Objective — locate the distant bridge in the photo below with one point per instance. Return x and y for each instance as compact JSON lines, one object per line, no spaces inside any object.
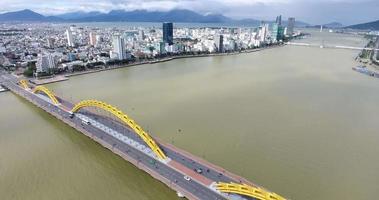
{"x":187,"y":174}
{"x":329,"y":46}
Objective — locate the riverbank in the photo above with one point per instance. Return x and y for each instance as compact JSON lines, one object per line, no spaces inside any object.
{"x":64,"y":77}
{"x":48,"y":80}
{"x":3,"y":89}
{"x":369,"y":60}
{"x":365,"y":70}
{"x":368,"y":55}
{"x":167,"y":59}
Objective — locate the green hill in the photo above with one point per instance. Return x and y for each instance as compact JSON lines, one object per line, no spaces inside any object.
{"x":366,"y":26}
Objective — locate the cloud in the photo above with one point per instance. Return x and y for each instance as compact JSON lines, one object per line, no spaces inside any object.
{"x":313,"y":11}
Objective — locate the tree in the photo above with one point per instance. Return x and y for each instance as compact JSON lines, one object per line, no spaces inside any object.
{"x":28,"y":72}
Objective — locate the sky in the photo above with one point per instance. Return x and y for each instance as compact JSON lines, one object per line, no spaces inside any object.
{"x":346,"y":12}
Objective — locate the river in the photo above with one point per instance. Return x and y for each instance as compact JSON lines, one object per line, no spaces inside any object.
{"x":296,"y":120}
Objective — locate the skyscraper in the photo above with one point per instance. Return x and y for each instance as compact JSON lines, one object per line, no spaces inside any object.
{"x":377,"y":46}
{"x":141,"y":35}
{"x":280,"y":33}
{"x":168,"y":33}
{"x":219,"y":42}
{"x":279,"y":20}
{"x":275,"y":32}
{"x":290,"y":26}
{"x":50,"y":42}
{"x":45,"y":63}
{"x":119,"y":47}
{"x":263,"y":32}
{"x":92,"y":39}
{"x":70,"y":39}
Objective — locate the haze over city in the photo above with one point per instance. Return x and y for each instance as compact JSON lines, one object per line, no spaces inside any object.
{"x":311,"y":11}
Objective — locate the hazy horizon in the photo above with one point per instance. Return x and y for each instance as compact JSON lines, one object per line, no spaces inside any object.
{"x":313,"y":11}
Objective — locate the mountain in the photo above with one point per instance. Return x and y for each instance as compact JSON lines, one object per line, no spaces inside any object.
{"x":366,"y":26}
{"x":77,"y":15}
{"x":178,"y":15}
{"x":26,"y":15}
{"x":155,"y":16}
{"x":333,"y":25}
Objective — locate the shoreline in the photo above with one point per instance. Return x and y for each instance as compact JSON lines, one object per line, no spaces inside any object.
{"x":3,"y":89}
{"x":370,"y":60}
{"x":58,"y":78}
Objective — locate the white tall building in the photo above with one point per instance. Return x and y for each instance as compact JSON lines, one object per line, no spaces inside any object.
{"x":99,"y":39}
{"x":45,"y":63}
{"x":70,"y":39}
{"x":263,"y":32}
{"x":119,"y":51}
{"x":291,"y":26}
{"x":2,"y":48}
{"x":92,"y":39}
{"x":73,"y":28}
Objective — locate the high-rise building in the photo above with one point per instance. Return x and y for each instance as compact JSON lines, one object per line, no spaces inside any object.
{"x":275,"y":32}
{"x":263,"y":32}
{"x":168,"y":33}
{"x":279,"y":20}
{"x":92,"y":39}
{"x":141,"y":35}
{"x":290,"y":26}
{"x":118,"y":44}
{"x":2,"y":48}
{"x":70,"y":39}
{"x":233,"y":44}
{"x":280,"y":33}
{"x":219,"y":42}
{"x":50,"y":42}
{"x":45,"y":63}
{"x":162,"y":48}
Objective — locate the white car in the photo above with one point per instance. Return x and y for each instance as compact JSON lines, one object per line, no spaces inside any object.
{"x":187,"y":178}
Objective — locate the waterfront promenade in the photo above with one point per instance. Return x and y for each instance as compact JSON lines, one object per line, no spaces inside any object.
{"x":65,"y":76}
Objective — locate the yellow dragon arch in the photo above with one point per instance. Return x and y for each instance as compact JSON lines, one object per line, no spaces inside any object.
{"x":247,"y":190}
{"x":24,"y":84}
{"x":124,"y":118}
{"x":46,"y":91}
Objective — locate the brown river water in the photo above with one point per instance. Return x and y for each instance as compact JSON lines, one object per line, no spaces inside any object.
{"x":296,"y":120}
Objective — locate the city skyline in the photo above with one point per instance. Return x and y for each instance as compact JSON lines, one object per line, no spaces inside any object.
{"x":314,"y":12}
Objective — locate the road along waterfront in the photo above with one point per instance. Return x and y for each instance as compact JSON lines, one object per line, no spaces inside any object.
{"x":296,"y":120}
